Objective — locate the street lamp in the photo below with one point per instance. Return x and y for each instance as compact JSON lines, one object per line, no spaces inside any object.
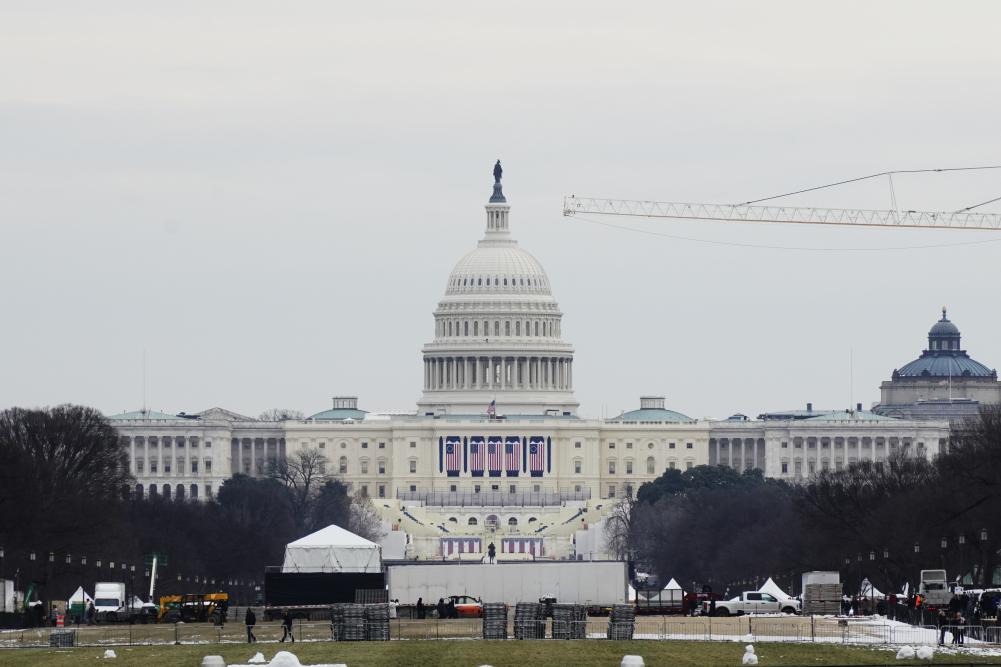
{"x":917,"y":548}
{"x":962,"y":540}
{"x":983,"y":534}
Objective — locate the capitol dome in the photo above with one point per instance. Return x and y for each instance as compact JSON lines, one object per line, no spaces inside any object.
{"x":497,"y":341}
{"x":498,"y":268}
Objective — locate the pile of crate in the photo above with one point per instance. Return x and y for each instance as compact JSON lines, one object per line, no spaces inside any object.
{"x":494,"y":620}
{"x":822,"y":599}
{"x":529,"y":621}
{"x":569,"y":621}
{"x":377,"y":622}
{"x":622,"y":621}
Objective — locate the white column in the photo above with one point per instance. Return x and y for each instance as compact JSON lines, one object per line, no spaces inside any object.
{"x":253,"y":457}
{"x":570,"y":373}
{"x":239,"y":449}
{"x":466,"y":366}
{"x":132,"y":448}
{"x":503,"y":373}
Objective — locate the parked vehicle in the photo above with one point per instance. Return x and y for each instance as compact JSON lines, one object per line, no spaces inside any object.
{"x":754,"y":602}
{"x":934,"y":588}
{"x":467,"y":606}
{"x":196,"y":608}
{"x":109,"y":601}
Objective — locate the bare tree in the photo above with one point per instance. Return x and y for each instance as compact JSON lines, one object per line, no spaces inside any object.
{"x":365,"y":521}
{"x":303,"y":473}
{"x":619,"y":530}
{"x":281,"y":415}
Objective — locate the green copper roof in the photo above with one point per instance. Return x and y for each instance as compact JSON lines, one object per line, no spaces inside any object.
{"x":339,"y":414}
{"x":652,"y":415}
{"x":144,"y":415}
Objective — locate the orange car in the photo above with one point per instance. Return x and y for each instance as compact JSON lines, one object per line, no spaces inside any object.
{"x":467,"y":606}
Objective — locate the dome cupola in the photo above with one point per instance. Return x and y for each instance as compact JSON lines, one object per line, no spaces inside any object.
{"x":944,"y":357}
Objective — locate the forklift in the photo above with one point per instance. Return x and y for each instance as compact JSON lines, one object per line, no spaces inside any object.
{"x":194,"y":608}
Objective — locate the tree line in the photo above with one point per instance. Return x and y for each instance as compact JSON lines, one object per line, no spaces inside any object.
{"x":884,"y":521}
{"x":67,"y":512}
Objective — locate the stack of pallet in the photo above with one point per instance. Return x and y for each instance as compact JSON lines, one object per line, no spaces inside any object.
{"x":822,"y":599}
{"x":494,"y":620}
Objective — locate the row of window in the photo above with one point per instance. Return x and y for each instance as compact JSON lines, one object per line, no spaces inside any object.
{"x":853,"y":443}
{"x":497,"y":281}
{"x":825,"y":464}
{"x":154,"y":466}
{"x":342,"y":466}
{"x":449,"y":327}
{"x":364,"y":444}
{"x":651,"y":466}
{"x":650,"y":445}
{"x":177,"y":492}
{"x":154,"y":441}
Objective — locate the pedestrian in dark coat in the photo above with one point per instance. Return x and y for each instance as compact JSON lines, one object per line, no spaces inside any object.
{"x":287,"y":626}
{"x":452,"y":611}
{"x":420,"y":607}
{"x":442,"y":611}
{"x":251,"y":621}
{"x":943,"y":621}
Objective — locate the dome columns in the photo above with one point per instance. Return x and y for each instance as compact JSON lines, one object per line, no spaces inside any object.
{"x":498,"y":373}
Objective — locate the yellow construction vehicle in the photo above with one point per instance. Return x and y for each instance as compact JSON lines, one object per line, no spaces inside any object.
{"x":194,"y":608}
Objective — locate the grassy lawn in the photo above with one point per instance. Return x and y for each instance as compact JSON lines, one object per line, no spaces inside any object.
{"x":464,"y":653}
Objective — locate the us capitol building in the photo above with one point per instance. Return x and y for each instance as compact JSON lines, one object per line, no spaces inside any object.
{"x":496,"y":451}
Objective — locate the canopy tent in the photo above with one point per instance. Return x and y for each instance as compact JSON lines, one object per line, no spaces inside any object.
{"x":672,"y":585}
{"x":80,"y":597}
{"x":870,"y":591}
{"x":631,"y":592}
{"x":332,"y":549}
{"x":773,"y":589}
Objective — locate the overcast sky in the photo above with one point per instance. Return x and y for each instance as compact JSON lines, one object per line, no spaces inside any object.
{"x":268,"y":197}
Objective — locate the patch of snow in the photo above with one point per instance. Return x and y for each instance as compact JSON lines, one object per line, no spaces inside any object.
{"x":749,"y":657}
{"x":905,"y":653}
{"x":110,"y":654}
{"x":925,"y":653}
{"x":258,"y":659}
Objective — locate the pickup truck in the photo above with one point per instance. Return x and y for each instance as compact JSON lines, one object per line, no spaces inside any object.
{"x":753,"y":603}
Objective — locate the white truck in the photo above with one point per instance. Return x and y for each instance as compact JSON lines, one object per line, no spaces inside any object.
{"x":109,"y":601}
{"x":934,"y":588}
{"x":754,"y":602}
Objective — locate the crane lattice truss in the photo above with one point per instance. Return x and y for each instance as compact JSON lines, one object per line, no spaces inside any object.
{"x":847,"y":217}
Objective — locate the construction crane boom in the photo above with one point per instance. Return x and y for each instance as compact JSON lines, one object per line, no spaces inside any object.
{"x":804,"y":215}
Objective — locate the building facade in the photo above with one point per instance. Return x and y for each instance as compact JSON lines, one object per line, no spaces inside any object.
{"x":496,"y":451}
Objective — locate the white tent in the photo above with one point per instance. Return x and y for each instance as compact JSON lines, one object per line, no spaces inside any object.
{"x":80,"y":597}
{"x":773,"y":589}
{"x":631,"y":592}
{"x":332,"y":549}
{"x":672,"y":585}
{"x":870,"y":591}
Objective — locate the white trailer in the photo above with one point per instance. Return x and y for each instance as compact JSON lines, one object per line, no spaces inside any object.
{"x":7,"y":604}
{"x":595,"y":583}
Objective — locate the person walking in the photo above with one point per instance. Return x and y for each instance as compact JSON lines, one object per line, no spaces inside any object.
{"x":943,"y":621}
{"x":420,"y":607}
{"x":287,"y":626}
{"x":452,"y":611}
{"x":251,"y":621}
{"x":441,"y":608}
{"x":90,"y":613}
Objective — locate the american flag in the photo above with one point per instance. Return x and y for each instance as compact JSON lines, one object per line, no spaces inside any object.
{"x":453,"y":456}
{"x":495,"y":456}
{"x":492,"y":408}
{"x":536,"y":455}
{"x":512,"y":455}
{"x":477,"y":455}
